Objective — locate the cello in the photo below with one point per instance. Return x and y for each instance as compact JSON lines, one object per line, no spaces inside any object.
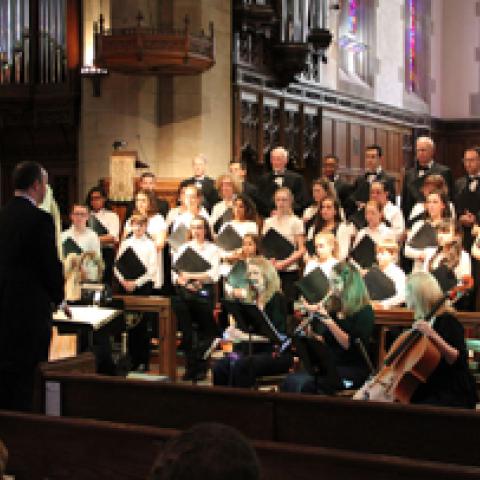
{"x":411,"y":359}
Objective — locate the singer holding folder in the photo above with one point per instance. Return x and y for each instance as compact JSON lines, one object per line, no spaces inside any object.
{"x":345,"y":364}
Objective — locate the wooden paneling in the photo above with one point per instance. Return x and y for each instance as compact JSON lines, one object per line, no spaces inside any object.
{"x":381,"y":139}
{"x":356,"y":150}
{"x":327,"y":136}
{"x":341,"y":143}
{"x":369,"y":138}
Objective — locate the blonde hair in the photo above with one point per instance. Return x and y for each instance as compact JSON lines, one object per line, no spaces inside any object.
{"x":138,"y":219}
{"x":270,"y":275}
{"x":331,"y":240}
{"x":422,"y":293}
{"x":233,"y":180}
{"x":389,"y":244}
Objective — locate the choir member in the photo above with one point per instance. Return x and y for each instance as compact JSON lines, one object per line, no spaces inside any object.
{"x":222,"y":211}
{"x":107,"y":226}
{"x":451,"y":383}
{"x":436,"y":206}
{"x":204,"y":184}
{"x":414,"y":177}
{"x":147,"y":184}
{"x":342,"y":188}
{"x":392,"y":215}
{"x":328,"y":219}
{"x":279,"y":177}
{"x":373,"y":172}
{"x":337,"y":336}
{"x":194,"y":301}
{"x":156,"y":229}
{"x":321,"y":188}
{"x":291,"y":228}
{"x":136,"y":272}
{"x":240,"y":369}
{"x":238,"y":168}
{"x":325,"y":254}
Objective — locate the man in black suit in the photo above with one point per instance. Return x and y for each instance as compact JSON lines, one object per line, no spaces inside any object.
{"x":342,"y":188}
{"x":31,"y":282}
{"x":147,"y":183}
{"x":204,"y":184}
{"x":238,"y":168}
{"x":373,"y":173}
{"x":414,"y":177}
{"x":281,"y":177}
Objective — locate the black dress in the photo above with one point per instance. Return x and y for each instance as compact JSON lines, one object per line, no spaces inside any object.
{"x":449,"y":385}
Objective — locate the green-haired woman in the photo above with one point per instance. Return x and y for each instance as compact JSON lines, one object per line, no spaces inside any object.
{"x":332,"y":345}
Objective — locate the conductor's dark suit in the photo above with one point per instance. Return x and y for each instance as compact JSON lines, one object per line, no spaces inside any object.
{"x":413,"y":182}
{"x":267,"y":186}
{"x":31,"y":284}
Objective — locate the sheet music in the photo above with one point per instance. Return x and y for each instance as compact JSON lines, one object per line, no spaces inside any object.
{"x":97,"y":317}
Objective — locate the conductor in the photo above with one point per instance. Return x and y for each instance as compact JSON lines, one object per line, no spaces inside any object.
{"x":31,"y":283}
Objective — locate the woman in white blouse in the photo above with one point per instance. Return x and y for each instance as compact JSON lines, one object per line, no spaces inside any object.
{"x":156,"y":228}
{"x":321,"y":188}
{"x":228,"y":190}
{"x":195,"y":300}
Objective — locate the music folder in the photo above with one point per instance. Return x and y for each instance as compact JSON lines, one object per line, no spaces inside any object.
{"x":227,"y":216}
{"x":129,"y":265}
{"x":192,"y":262}
{"x":364,"y":252}
{"x":97,"y":226}
{"x":379,"y":286}
{"x":237,"y":278}
{"x":426,"y":236}
{"x":314,"y":286}
{"x":275,"y":245}
{"x":251,"y":319}
{"x":310,"y":246}
{"x":229,"y":239}
{"x":178,"y":237}
{"x":358,"y":219}
{"x":69,"y":246}
{"x":445,"y":277}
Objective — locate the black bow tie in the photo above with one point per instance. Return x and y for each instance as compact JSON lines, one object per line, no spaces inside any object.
{"x":423,"y":169}
{"x":473,"y":179}
{"x":369,"y":175}
{"x":278,"y":175}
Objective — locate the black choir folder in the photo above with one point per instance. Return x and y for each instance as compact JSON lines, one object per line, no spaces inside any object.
{"x":314,"y":286}
{"x":275,"y":245}
{"x":227,"y":216}
{"x":445,"y":277}
{"x":178,"y":237}
{"x":97,"y":226}
{"x":379,"y":286}
{"x":364,"y":252}
{"x":229,"y":239}
{"x":358,"y":219}
{"x":129,"y":265}
{"x":425,"y":237}
{"x":71,"y":246}
{"x":310,"y":245}
{"x":190,"y":261}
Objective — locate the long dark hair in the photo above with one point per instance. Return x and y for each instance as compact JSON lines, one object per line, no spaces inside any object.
{"x":320,"y":223}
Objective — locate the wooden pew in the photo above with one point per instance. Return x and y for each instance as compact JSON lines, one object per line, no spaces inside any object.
{"x":420,"y":432}
{"x":60,"y":449}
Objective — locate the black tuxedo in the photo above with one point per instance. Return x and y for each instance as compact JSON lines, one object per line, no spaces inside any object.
{"x":361,"y":187}
{"x":413,"y":182}
{"x":467,"y":198}
{"x":267,"y":187}
{"x":31,"y":282}
{"x":343,"y":190}
{"x":209,"y":192}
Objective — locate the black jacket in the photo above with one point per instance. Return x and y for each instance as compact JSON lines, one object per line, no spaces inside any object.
{"x":31,"y":284}
{"x":209,"y":192}
{"x":361,"y":187}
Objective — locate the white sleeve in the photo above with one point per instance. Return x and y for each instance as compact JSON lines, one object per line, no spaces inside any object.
{"x":150,"y":262}
{"x":410,"y":252}
{"x":399,"y":279}
{"x":214,"y":260}
{"x":464,"y":266}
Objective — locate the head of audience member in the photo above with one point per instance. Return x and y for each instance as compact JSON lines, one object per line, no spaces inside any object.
{"x":424,"y":149}
{"x":422,"y":292}
{"x":199,"y":165}
{"x":244,"y":209}
{"x":79,"y":217}
{"x":321,"y":188}
{"x":373,"y":158}
{"x":347,"y":284}
{"x":199,"y":230}
{"x":434,"y":182}
{"x":207,"y":451}
{"x":378,"y":193}
{"x":145,"y":203}
{"x":328,"y":213}
{"x":147,"y":182}
{"x":263,"y":277}
{"x":387,"y":252}
{"x":436,"y":206}
{"x":373,"y":214}
{"x":325,"y":246}
{"x":96,"y":199}
{"x":471,"y":161}
{"x":329,"y":166}
{"x":227,"y":187}
{"x":250,"y":245}
{"x":138,"y":224}
{"x":238,"y":168}
{"x":192,"y":198}
{"x":30,"y":178}
{"x":278,"y":159}
{"x":283,"y":199}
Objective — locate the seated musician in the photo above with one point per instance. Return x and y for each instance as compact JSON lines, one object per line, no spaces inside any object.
{"x":138,"y":283}
{"x":355,"y":320}
{"x":451,"y":383}
{"x":239,"y":369}
{"x":194,"y":300}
